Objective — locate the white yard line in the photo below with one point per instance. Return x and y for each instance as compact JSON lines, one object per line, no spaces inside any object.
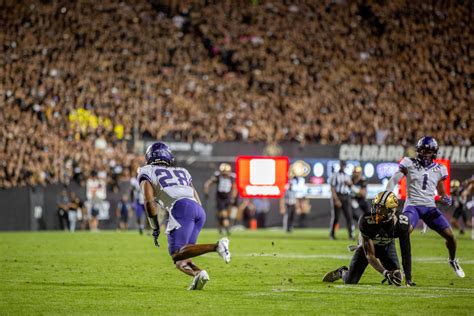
{"x":335,"y":256}
{"x":426,"y":292}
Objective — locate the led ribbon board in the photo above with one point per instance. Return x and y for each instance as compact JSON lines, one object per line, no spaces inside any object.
{"x":260,"y":176}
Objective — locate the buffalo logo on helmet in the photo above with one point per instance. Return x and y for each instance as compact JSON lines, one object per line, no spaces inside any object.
{"x":299,"y":168}
{"x":384,"y":207}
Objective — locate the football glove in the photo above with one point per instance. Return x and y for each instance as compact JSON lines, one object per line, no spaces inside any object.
{"x":155,"y":234}
{"x":447,"y":200}
{"x":393,"y":277}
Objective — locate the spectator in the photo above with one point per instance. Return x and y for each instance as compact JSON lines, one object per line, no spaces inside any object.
{"x":123,"y":211}
{"x":247,"y":209}
{"x":326,"y":72}
{"x":95,"y":206}
{"x":63,"y":204}
{"x":262,"y":208}
{"x":75,"y":207}
{"x":138,"y":204}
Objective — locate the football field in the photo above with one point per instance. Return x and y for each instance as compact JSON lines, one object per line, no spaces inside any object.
{"x":271,"y":273}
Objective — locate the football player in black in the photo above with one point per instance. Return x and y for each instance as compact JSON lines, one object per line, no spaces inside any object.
{"x":378,"y":229}
{"x":359,"y":194}
{"x":226,"y":194}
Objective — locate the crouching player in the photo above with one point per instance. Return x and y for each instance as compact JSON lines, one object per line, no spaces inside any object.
{"x":172,"y":188}
{"x":378,"y":229}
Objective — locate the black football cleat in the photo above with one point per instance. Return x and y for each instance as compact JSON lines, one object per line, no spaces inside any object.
{"x":335,"y":275}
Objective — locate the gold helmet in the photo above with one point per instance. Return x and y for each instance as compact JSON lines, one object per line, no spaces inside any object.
{"x":357,"y":169}
{"x":384,"y":207}
{"x":455,"y":184}
{"x":225,"y":168}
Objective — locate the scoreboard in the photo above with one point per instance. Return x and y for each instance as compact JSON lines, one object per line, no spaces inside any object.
{"x":261,"y":176}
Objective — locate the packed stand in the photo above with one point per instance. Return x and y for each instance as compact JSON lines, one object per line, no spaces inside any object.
{"x":81,"y":81}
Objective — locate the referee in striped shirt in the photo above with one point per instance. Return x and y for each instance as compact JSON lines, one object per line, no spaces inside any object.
{"x":341,"y":199}
{"x":288,"y":205}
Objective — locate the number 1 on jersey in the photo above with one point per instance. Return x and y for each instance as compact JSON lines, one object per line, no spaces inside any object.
{"x":425,"y":181}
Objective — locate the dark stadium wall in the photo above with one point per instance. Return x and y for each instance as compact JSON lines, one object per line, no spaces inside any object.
{"x":20,"y":205}
{"x":36,"y":208}
{"x":14,"y":204}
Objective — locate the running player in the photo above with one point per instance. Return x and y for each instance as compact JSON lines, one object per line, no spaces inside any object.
{"x":378,"y":229}
{"x":424,"y":177}
{"x":226,"y":194}
{"x":172,"y":188}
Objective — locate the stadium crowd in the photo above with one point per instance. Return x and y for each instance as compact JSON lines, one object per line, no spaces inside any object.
{"x":81,"y":80}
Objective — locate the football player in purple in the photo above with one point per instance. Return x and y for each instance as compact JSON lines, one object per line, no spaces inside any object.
{"x":171,"y":187}
{"x":425,"y":177}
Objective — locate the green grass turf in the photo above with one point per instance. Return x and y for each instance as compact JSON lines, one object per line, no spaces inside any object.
{"x":271,"y":273}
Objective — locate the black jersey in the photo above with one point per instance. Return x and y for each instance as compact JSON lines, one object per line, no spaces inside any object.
{"x":458,"y":200}
{"x":356,"y":187}
{"x":224,"y":184}
{"x":383,"y":234}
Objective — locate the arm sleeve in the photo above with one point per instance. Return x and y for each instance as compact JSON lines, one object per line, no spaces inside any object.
{"x":405,"y":248}
{"x":392,"y":183}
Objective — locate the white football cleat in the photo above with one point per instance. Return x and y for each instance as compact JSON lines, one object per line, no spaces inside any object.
{"x":424,"y":229}
{"x":457,"y":268}
{"x":223,"y":249}
{"x":199,"y":281}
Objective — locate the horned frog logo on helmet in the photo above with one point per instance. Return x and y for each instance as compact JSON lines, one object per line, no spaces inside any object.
{"x":384,"y":207}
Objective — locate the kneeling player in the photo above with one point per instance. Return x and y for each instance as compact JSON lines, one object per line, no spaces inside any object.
{"x":172,"y":188}
{"x":378,"y":229}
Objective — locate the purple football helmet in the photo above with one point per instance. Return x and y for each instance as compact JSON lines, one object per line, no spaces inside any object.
{"x":159,"y":153}
{"x":426,"y":150}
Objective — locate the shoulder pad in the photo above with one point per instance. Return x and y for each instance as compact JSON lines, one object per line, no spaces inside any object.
{"x":144,"y":173}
